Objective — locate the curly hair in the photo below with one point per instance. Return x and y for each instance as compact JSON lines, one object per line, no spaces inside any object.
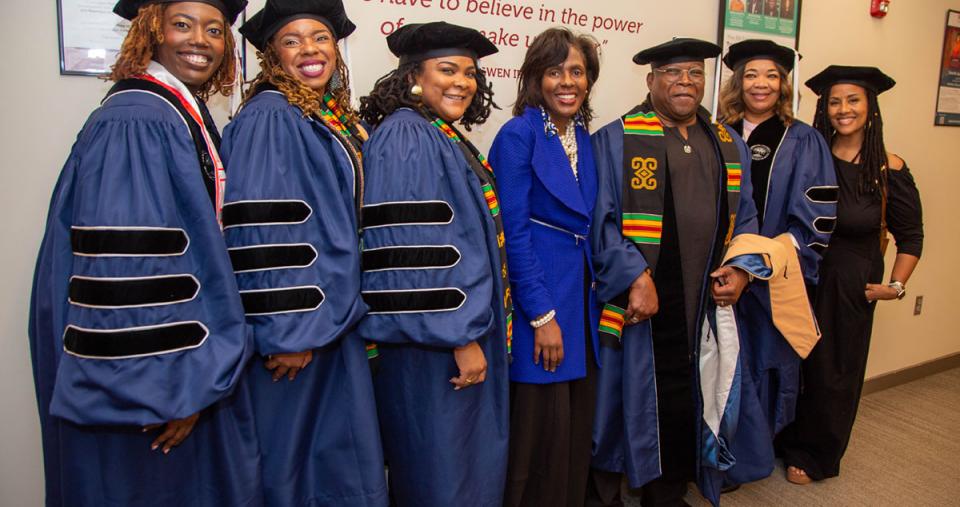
{"x":146,"y":35}
{"x":392,"y":92}
{"x":298,"y":93}
{"x":873,"y":152}
{"x":732,"y":108}
{"x":550,"y":49}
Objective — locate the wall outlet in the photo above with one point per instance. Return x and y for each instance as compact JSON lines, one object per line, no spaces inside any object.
{"x":918,"y":305}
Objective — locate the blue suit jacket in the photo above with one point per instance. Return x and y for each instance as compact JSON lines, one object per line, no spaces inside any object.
{"x":546,"y":220}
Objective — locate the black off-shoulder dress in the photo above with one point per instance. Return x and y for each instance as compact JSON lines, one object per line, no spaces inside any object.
{"x":832,"y":376}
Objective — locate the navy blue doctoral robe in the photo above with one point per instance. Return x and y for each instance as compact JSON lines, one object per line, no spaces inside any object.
{"x":135,"y":319}
{"x":444,"y":447}
{"x":801,"y":198}
{"x":291,"y":226}
{"x":626,"y":435}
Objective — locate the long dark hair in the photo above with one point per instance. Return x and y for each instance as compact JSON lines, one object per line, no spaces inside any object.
{"x":873,"y":153}
{"x":550,"y":49}
{"x":392,"y":92}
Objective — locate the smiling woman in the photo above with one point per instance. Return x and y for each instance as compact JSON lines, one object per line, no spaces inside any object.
{"x":136,"y":326}
{"x":193,"y":43}
{"x":296,"y":183}
{"x":447,"y":85}
{"x":307,"y":51}
{"x":544,"y":163}
{"x":190,"y":39}
{"x":795,"y":191}
{"x":396,"y":89}
{"x":876,"y":192}
{"x":445,"y":327}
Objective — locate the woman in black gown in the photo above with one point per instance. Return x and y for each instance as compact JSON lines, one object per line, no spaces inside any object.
{"x":877,"y":192}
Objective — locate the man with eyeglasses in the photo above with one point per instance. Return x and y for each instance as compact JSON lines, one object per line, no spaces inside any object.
{"x":674,"y":189}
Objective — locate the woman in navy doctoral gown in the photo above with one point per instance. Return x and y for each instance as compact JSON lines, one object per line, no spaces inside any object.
{"x":435,"y":273}
{"x":795,"y":190}
{"x":291,"y":223}
{"x":136,"y":326}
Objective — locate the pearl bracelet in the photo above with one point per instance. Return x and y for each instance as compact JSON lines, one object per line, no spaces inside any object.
{"x":543,"y":319}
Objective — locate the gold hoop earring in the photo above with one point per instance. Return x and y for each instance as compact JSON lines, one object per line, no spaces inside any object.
{"x":416,"y":90}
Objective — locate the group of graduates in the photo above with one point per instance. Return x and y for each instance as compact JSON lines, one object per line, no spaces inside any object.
{"x":275,"y":316}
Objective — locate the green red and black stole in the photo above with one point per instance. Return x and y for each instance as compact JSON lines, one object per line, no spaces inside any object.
{"x":644,"y":167}
{"x":352,"y":136}
{"x":488,"y":186}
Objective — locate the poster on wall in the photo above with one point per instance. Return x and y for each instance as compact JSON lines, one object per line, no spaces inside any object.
{"x":776,"y":20}
{"x":948,"y":95}
{"x":620,"y":28}
{"x":90,"y":36}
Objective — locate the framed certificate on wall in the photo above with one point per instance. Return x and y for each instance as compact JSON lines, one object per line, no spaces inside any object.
{"x":90,"y":36}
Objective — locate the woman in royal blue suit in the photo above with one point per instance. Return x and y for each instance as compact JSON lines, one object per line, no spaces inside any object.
{"x":547,"y":181}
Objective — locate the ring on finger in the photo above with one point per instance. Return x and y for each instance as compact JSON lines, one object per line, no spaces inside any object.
{"x":634,"y":320}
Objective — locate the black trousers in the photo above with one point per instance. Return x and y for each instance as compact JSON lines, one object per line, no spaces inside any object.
{"x":550,"y":441}
{"x":551,"y":428}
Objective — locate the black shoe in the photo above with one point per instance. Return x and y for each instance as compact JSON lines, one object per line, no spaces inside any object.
{"x":729,"y":489}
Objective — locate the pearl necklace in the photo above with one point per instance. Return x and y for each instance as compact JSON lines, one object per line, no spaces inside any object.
{"x":569,"y":142}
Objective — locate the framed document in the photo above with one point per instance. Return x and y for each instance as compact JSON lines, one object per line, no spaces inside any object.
{"x":90,"y":36}
{"x":948,"y":93}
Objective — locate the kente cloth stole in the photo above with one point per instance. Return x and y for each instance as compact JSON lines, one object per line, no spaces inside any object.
{"x":644,"y":166}
{"x":352,"y":136}
{"x":488,"y":186}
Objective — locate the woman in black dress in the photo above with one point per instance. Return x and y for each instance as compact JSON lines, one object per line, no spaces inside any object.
{"x":877,"y":193}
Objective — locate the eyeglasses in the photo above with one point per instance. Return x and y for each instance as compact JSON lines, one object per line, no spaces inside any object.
{"x":675,"y":73}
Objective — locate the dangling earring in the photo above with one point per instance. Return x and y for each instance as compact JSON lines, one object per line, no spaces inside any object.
{"x":335,"y":81}
{"x":416,"y":90}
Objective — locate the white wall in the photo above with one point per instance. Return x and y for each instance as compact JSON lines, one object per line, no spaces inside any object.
{"x":907,"y":45}
{"x":43,"y":111}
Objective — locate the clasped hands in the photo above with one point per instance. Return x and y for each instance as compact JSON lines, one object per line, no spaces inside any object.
{"x":727,"y":284}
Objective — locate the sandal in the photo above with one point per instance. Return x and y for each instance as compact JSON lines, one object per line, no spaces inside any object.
{"x":798,"y":476}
